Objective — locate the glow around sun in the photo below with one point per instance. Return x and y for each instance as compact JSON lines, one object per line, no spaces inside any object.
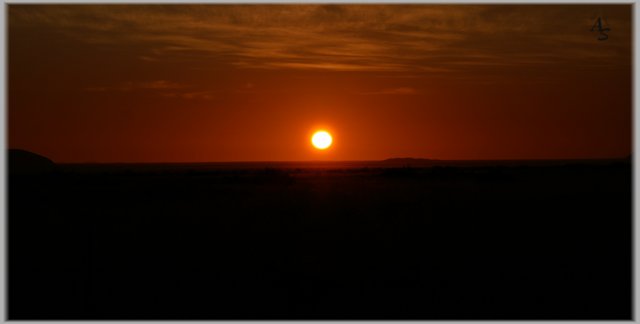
{"x":321,"y":140}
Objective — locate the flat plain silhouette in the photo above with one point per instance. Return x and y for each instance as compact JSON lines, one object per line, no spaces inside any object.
{"x":372,"y":240}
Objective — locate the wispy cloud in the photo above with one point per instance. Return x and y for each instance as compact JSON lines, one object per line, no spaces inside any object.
{"x":441,"y":39}
{"x":393,"y":91}
{"x":206,"y":95}
{"x":159,"y":87}
{"x":142,"y":85}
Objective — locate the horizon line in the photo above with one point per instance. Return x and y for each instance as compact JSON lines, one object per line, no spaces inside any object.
{"x":351,"y":161}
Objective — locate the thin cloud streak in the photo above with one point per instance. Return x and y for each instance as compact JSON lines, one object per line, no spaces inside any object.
{"x":158,"y":87}
{"x":393,"y":91}
{"x":143,"y":85}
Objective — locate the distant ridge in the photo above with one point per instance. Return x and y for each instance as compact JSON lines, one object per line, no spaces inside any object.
{"x":28,"y":163}
{"x":408,"y":160}
{"x":420,"y":162}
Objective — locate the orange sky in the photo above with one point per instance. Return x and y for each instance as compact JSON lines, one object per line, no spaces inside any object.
{"x":198,"y":83}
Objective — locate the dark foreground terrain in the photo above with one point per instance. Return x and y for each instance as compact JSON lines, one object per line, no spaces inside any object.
{"x":463,"y":242}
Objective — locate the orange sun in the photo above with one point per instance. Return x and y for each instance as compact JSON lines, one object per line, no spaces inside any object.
{"x":321,"y":140}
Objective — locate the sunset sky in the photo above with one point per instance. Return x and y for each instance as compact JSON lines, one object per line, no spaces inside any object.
{"x":199,"y":83}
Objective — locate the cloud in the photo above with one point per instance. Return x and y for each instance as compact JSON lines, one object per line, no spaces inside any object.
{"x":141,"y":85}
{"x":205,"y":95}
{"x":393,"y":91}
{"x":437,"y":39}
{"x":159,"y":87}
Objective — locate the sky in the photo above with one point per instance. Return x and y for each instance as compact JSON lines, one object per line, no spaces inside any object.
{"x":213,"y":82}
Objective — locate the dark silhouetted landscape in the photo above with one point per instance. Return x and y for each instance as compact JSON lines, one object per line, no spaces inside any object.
{"x":395,"y":239}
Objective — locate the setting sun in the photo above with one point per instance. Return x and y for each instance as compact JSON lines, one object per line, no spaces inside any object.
{"x":321,"y":140}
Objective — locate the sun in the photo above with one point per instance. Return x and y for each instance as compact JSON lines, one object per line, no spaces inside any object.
{"x":321,"y":140}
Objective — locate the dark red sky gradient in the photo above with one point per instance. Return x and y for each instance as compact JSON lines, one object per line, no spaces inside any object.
{"x":198,"y":83}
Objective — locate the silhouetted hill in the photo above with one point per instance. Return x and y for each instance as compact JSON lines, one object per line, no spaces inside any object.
{"x":25,"y":162}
